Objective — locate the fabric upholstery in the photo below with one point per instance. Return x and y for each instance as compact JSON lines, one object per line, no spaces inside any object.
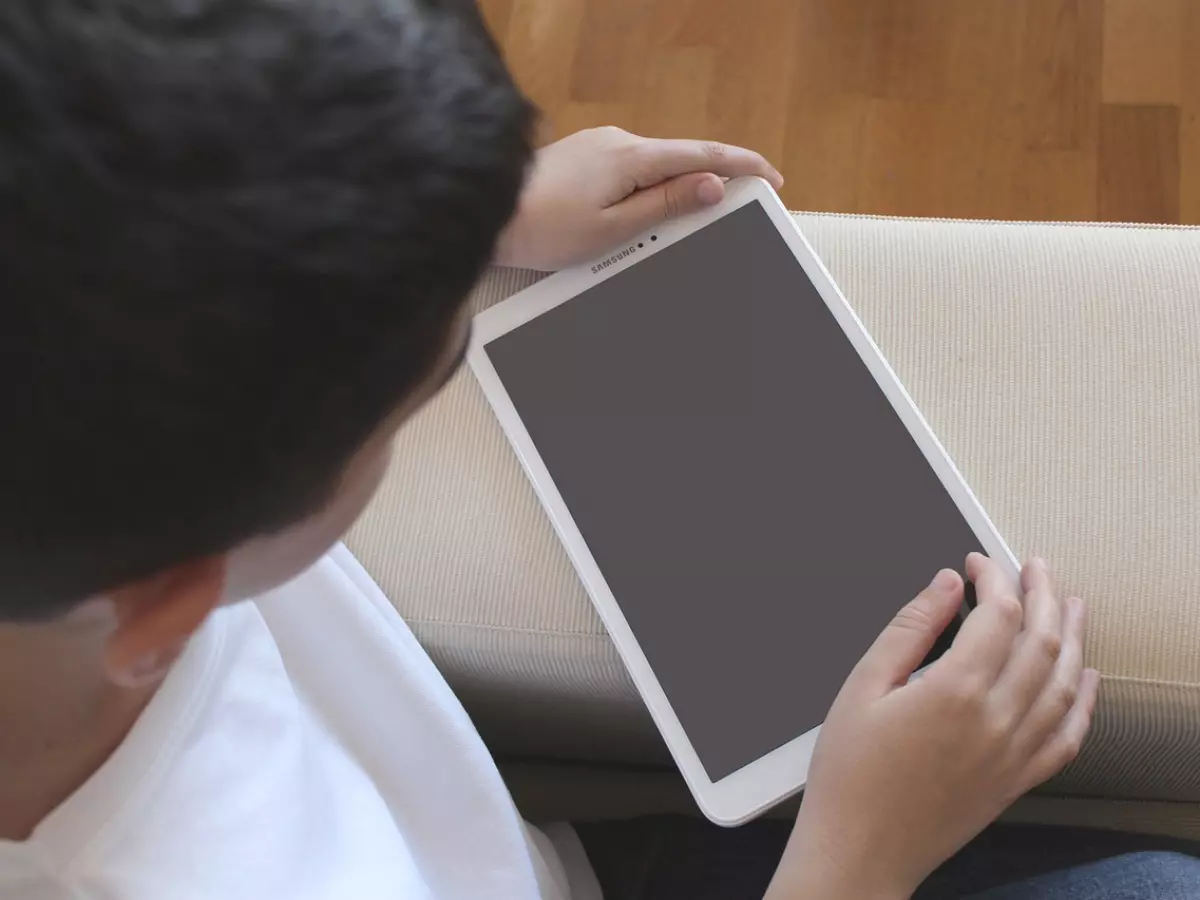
{"x":1060,"y":366}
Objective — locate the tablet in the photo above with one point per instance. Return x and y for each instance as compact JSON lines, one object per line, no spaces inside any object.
{"x":745,"y":488}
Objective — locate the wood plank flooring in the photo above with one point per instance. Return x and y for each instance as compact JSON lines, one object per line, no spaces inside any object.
{"x":1012,"y":109}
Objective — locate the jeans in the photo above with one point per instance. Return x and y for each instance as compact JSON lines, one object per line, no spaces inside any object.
{"x":676,"y":858}
{"x":1149,"y":875}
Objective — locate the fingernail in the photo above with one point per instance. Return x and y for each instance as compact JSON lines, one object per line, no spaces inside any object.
{"x":146,"y":669}
{"x":710,"y":191}
{"x":1038,"y":563}
{"x":945,"y":580}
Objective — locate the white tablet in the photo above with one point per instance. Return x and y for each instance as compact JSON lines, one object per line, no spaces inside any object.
{"x":745,"y":488}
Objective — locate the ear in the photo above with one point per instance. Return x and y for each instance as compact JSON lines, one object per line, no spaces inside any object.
{"x":157,"y":616}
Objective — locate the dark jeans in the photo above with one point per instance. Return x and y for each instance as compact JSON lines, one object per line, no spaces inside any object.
{"x":678,"y":858}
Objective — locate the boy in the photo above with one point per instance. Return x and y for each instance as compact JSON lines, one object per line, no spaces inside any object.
{"x":237,"y":237}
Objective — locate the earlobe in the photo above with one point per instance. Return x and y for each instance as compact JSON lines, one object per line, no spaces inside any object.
{"x":157,"y":616}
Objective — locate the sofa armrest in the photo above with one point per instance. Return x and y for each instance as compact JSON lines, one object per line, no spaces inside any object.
{"x":1059,"y":364}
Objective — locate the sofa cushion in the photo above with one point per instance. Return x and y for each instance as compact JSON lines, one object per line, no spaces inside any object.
{"x":1059,"y":364}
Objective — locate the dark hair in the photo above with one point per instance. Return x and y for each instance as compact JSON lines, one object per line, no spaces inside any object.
{"x":233,"y":237}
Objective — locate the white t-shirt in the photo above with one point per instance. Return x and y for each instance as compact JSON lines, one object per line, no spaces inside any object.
{"x":304,"y":746}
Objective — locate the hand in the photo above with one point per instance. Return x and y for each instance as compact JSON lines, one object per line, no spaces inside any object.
{"x":592,"y":190}
{"x":906,"y":773}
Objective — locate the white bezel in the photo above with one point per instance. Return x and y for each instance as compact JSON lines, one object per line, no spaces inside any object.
{"x":781,"y":773}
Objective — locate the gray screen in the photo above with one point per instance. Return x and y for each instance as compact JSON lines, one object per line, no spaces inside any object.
{"x":752,"y":499}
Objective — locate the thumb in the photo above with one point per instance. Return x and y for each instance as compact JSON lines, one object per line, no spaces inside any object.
{"x":910,"y":636}
{"x":671,"y":199}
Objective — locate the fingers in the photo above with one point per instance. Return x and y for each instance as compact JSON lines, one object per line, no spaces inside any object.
{"x":1060,"y":691}
{"x":1040,"y":644}
{"x":653,"y":161}
{"x":658,"y":180}
{"x":985,"y":641}
{"x":1065,"y":743}
{"x":909,"y":637}
{"x":655,"y":205}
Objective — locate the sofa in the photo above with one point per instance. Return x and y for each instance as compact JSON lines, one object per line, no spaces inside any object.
{"x":1060,"y":366}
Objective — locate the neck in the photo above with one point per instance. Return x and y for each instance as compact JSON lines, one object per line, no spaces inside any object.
{"x":60,"y":717}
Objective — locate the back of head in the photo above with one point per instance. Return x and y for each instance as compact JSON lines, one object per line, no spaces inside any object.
{"x":233,"y":234}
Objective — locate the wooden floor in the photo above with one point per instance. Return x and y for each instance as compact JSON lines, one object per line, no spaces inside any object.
{"x":1013,"y":109}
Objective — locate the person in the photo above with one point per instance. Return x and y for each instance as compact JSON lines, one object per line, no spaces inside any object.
{"x":237,"y":239}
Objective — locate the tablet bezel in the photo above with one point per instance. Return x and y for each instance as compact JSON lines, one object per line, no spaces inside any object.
{"x":782,"y":772}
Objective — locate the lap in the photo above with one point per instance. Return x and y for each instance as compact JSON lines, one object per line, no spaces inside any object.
{"x":672,"y":858}
{"x":1148,"y":875}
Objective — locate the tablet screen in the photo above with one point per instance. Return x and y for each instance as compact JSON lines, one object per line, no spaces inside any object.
{"x":755,"y":504}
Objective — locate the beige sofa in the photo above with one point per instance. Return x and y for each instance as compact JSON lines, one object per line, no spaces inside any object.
{"x":1060,"y":365}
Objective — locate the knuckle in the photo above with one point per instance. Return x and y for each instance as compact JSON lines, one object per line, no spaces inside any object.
{"x":640,"y":156}
{"x":611,"y":132}
{"x":998,"y":729}
{"x":671,"y":206}
{"x":915,"y":616}
{"x":1063,"y":696}
{"x":964,"y":693}
{"x":1009,"y":609}
{"x":715,"y":151}
{"x":1049,"y":645}
{"x":631,"y":151}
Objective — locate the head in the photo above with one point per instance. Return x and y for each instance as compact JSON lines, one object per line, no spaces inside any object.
{"x":235,"y":241}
